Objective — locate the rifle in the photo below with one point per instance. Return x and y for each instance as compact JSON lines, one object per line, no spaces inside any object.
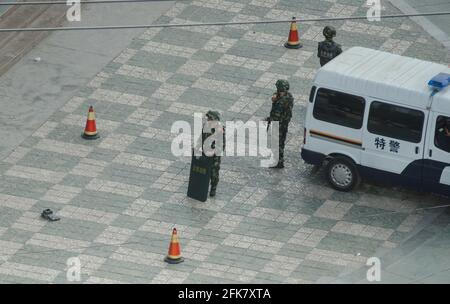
{"x":275,"y":96}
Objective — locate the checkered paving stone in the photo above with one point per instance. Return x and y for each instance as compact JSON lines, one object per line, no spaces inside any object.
{"x":120,"y":196}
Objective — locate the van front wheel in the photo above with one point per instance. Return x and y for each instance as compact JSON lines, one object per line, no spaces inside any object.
{"x":342,"y":174}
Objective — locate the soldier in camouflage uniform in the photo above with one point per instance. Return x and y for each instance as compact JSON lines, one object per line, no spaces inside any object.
{"x":214,"y":116}
{"x":282,"y":104}
{"x":328,"y":49}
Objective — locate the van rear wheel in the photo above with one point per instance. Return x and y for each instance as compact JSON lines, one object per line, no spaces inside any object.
{"x":342,"y":174}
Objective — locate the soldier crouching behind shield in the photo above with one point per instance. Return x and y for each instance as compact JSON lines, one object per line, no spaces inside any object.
{"x":213,"y":135}
{"x":328,"y":49}
{"x":282,"y":104}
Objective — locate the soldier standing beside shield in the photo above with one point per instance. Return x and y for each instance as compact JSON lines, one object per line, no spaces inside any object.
{"x":209,"y":141}
{"x":328,"y":49}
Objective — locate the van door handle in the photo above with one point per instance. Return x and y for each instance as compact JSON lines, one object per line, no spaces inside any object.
{"x":417,"y":150}
{"x":430,"y":153}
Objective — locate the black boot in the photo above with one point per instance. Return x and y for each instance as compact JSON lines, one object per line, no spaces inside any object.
{"x":280,"y":165}
{"x":212,"y":193}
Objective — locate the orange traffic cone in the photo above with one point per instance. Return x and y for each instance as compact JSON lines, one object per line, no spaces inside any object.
{"x":293,"y":40}
{"x":174,"y":255}
{"x":90,"y":132}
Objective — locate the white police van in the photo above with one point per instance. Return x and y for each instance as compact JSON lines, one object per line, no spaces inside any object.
{"x":380,"y":116}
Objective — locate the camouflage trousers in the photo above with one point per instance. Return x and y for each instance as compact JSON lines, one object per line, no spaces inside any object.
{"x":282,"y":140}
{"x":215,"y":172}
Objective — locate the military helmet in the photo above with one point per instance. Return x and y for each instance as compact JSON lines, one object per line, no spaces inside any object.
{"x":282,"y":85}
{"x":329,"y":32}
{"x":213,"y":115}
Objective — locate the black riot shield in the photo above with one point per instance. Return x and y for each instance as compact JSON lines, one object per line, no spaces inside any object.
{"x":199,"y":177}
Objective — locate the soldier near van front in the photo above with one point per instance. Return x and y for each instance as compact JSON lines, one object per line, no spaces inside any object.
{"x":328,"y":49}
{"x":282,"y":104}
{"x":209,"y":141}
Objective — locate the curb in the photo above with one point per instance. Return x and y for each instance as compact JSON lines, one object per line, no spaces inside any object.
{"x":15,"y":45}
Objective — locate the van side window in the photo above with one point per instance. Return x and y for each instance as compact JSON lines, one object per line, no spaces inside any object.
{"x":442,"y":133}
{"x":395,"y":121}
{"x":339,"y":108}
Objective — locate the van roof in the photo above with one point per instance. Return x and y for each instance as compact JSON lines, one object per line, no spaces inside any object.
{"x":385,"y":76}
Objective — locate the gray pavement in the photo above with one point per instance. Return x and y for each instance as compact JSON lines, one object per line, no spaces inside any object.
{"x":420,"y":258}
{"x":436,"y":26}
{"x":434,"y":6}
{"x":119,"y":196}
{"x":31,"y":91}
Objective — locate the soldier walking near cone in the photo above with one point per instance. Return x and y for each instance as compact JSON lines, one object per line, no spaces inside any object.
{"x":282,"y":104}
{"x":328,"y":49}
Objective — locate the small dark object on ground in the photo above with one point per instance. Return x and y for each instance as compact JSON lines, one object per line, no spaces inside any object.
{"x":48,"y":215}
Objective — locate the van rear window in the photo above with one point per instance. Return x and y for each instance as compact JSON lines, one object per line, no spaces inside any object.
{"x":339,"y":108}
{"x":396,"y":122}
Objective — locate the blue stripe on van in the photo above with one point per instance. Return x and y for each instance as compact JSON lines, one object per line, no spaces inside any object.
{"x":411,"y":177}
{"x":311,"y":157}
